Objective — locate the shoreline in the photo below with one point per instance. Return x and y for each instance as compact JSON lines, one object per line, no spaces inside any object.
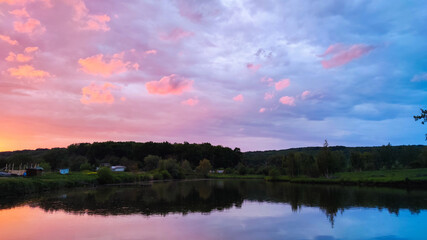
{"x":18,"y":186}
{"x":368,"y":182}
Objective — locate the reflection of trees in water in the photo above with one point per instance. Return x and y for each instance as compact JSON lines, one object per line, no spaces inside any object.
{"x":206,"y":196}
{"x":161,"y":198}
{"x":334,"y":198}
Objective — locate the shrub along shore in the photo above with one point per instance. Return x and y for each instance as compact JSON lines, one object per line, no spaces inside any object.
{"x":13,"y":186}
{"x":411,"y":178}
{"x":392,"y":178}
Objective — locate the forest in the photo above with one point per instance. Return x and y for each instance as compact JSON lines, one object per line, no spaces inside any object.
{"x":174,"y":157}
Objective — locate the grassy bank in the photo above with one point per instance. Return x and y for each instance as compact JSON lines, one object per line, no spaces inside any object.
{"x":234,"y":176}
{"x":397,"y":178}
{"x":47,"y":182}
{"x":401,"y":177}
{"x":55,"y":181}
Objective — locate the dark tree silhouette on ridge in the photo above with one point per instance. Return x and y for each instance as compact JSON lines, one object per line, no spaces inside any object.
{"x":422,"y":117}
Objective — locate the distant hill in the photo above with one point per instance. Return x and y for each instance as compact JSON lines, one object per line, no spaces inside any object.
{"x":403,"y":153}
{"x":132,"y":154}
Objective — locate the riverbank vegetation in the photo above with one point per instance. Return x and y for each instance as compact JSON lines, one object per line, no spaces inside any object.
{"x":399,"y":165}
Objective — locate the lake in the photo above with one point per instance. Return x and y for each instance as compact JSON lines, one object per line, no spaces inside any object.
{"x":218,"y":209}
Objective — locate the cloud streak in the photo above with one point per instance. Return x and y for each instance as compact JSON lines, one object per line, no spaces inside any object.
{"x":98,"y":65}
{"x":98,"y":94}
{"x":341,"y":55}
{"x":238,"y":98}
{"x":8,"y":40}
{"x":282,"y":84}
{"x":172,"y":84}
{"x":287,"y":100}
{"x":28,"y":72}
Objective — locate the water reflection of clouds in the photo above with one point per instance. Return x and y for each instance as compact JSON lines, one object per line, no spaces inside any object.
{"x":253,"y":220}
{"x":251,"y":209}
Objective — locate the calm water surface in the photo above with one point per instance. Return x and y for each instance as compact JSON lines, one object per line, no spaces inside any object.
{"x":218,"y":209}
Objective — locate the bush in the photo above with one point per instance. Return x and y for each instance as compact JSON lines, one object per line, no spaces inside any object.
{"x":166,"y":174}
{"x":186,"y":167}
{"x":204,"y":167}
{"x":151,"y":162}
{"x":76,"y":162}
{"x":263,"y":171}
{"x":105,"y":175}
{"x":85,"y":166}
{"x":241,"y":169}
{"x":274,"y":173}
{"x":250,"y":171}
{"x":46,"y":166}
{"x":144,"y":177}
{"x":157,"y":176}
{"x":172,"y":167}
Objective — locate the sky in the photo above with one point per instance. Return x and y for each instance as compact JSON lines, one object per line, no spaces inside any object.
{"x":251,"y":74}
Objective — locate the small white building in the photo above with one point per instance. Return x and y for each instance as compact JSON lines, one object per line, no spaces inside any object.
{"x":118,"y":168}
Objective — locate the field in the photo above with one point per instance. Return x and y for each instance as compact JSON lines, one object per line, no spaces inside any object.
{"x":55,"y":181}
{"x":401,"y":177}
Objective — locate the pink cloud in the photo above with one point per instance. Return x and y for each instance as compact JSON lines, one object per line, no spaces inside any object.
{"x":12,"y":57}
{"x":282,"y":84}
{"x":23,"y":2}
{"x":153,"y":51}
{"x":8,"y":40}
{"x":32,"y":25}
{"x":261,"y":110}
{"x":305,"y":94}
{"x":96,"y":65}
{"x":287,"y":100}
{"x":172,"y":84}
{"x":333,"y":49}
{"x":15,"y":2}
{"x":97,"y":23}
{"x":268,"y":96}
{"x":89,"y":21}
{"x":31,"y":49}
{"x":190,"y":102}
{"x":238,"y":98}
{"x":28,"y":71}
{"x":267,"y":80}
{"x":98,"y":94}
{"x":253,"y":67}
{"x":175,"y":35}
{"x":20,"y":13}
{"x":341,"y":55}
{"x":80,"y":9}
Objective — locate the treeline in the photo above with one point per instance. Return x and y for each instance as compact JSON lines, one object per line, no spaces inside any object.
{"x":186,"y":157}
{"x":134,"y":155}
{"x":324,"y":161}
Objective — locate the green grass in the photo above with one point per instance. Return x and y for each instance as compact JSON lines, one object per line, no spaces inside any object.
{"x":55,"y":181}
{"x":47,"y":182}
{"x":234,"y":176}
{"x":385,"y":175}
{"x":401,"y":177}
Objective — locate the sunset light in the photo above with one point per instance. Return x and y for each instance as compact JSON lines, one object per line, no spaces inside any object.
{"x":213,"y":119}
{"x":204,"y":71}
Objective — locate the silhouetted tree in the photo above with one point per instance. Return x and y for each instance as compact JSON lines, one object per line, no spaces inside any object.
{"x":292,"y":163}
{"x":204,"y":167}
{"x":325,"y":161}
{"x":356,"y":159}
{"x":151,"y":162}
{"x":422,"y":117}
{"x":186,"y":167}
